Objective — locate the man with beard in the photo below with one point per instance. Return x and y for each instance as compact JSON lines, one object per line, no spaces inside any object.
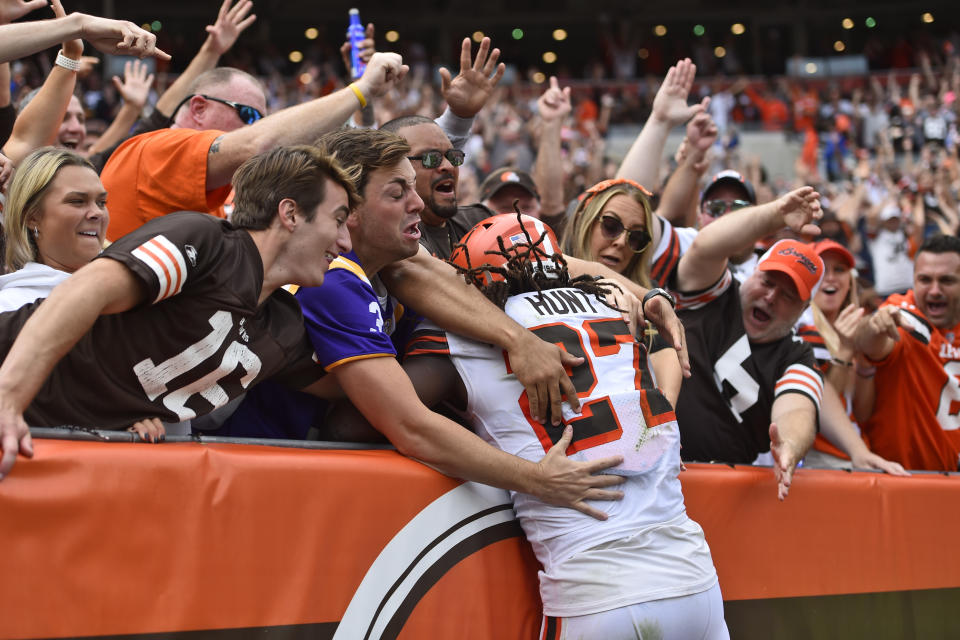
{"x":437,"y":165}
{"x":914,"y":341}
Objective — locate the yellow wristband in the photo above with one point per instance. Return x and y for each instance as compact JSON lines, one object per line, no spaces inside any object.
{"x":359,"y":94}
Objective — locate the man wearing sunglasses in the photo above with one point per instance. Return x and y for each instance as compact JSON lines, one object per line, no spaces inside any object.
{"x":221,"y":123}
{"x":727,"y":191}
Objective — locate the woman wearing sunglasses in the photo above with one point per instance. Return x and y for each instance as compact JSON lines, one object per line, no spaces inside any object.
{"x":611,"y":225}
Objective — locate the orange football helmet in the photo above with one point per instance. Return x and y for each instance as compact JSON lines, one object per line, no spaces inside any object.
{"x":522,"y":235}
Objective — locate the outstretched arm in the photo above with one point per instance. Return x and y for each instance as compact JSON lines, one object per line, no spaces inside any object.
{"x":705,"y":260}
{"x":838,"y":429}
{"x":117,"y":37}
{"x":642,"y":162}
{"x":678,"y":202}
{"x":447,"y":447}
{"x":300,"y":124}
{"x":101,"y":287}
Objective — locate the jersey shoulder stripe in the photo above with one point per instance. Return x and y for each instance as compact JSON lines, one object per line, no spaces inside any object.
{"x":800,"y":378}
{"x":426,"y":341}
{"x":698,"y":299}
{"x":166,"y":261}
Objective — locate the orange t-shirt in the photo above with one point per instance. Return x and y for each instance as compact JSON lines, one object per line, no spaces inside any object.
{"x":916,"y":418}
{"x":157,"y":173}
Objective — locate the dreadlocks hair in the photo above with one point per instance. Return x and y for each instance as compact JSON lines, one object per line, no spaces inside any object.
{"x":525,"y":271}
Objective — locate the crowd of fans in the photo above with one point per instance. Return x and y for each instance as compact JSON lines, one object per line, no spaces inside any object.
{"x":815,"y":316}
{"x":878,"y":175}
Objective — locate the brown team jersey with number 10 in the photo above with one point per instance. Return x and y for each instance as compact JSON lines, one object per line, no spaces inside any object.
{"x":197,"y":340}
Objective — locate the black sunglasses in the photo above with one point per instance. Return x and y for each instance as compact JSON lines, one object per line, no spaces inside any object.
{"x":637,"y":239}
{"x":434,"y":158}
{"x":246,"y":113}
{"x":716,"y":208}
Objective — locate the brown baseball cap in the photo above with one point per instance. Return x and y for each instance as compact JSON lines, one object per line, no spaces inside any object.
{"x":504,"y":178}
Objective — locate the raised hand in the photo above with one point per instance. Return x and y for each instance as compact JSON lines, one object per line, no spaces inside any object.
{"x":368,"y":47}
{"x":11,"y":10}
{"x":230,"y":23}
{"x":135,"y":86}
{"x":799,"y":209}
{"x":554,"y":104}
{"x":702,"y":131}
{"x":568,"y":483}
{"x":469,"y":91}
{"x":383,"y":72}
{"x":670,"y":103}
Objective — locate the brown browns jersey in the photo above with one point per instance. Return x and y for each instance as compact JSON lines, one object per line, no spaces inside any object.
{"x":198,"y":340}
{"x":724,"y":408}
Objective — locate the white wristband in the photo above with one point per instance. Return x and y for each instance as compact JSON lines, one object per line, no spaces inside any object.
{"x":67,"y":63}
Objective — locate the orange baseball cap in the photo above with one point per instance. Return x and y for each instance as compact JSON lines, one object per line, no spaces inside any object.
{"x":799,"y":261}
{"x":823,"y":246}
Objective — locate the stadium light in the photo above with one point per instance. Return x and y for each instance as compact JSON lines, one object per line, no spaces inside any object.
{"x":311,"y":33}
{"x":477,"y":36}
{"x":719,"y":51}
{"x":810,"y":67}
{"x":559,"y":34}
{"x":870,"y":22}
{"x":156,"y":25}
{"x":927,"y":17}
{"x":549,"y":57}
{"x":659,"y":31}
{"x":517,"y":34}
{"x":392,"y":36}
{"x":839,"y":46}
{"x":539,"y":78}
{"x":698,"y":30}
{"x":847,"y":23}
{"x":737,"y":29}
{"x":305,"y":78}
{"x":643,"y":54}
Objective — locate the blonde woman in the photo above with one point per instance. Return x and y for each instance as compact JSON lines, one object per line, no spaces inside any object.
{"x":55,"y":221}
{"x":613,"y":225}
